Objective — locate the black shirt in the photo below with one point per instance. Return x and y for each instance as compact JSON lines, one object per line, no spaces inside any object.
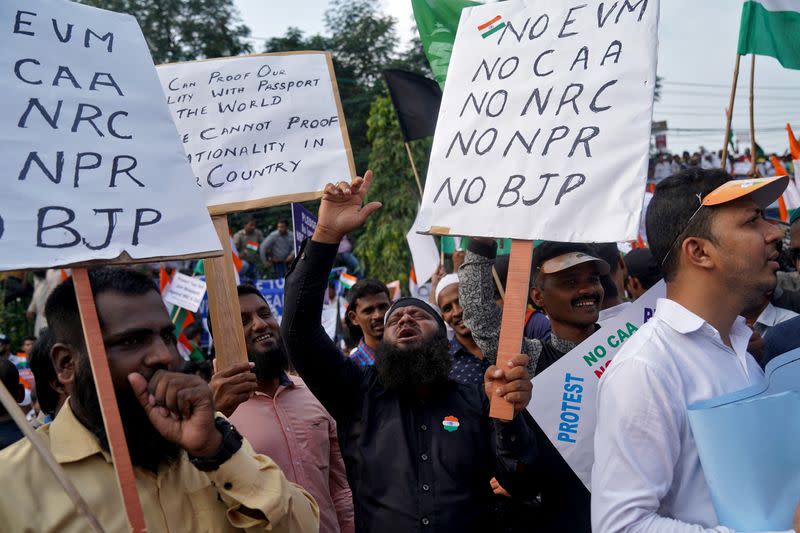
{"x":413,"y":465}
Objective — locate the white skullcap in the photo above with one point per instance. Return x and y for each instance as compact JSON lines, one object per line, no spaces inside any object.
{"x":450,"y":279}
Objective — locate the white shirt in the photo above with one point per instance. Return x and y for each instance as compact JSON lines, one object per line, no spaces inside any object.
{"x":647,"y":474}
{"x":772,"y":316}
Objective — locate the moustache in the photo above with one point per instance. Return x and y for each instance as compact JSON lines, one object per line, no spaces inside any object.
{"x":593,"y":297}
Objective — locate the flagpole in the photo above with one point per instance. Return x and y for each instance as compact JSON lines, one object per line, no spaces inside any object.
{"x":730,"y":113}
{"x":413,"y":167}
{"x":753,"y":170}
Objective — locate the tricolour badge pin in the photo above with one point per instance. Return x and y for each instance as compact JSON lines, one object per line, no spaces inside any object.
{"x":450,"y":423}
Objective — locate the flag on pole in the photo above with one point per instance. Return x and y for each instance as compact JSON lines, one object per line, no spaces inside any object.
{"x":770,"y":28}
{"x":794,"y":148}
{"x":437,"y":22}
{"x":416,"y":100}
{"x":347,"y":281}
{"x":790,"y":199}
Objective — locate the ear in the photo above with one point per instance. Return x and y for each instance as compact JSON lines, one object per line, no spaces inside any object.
{"x":64,"y":359}
{"x":351,"y":315}
{"x":537,"y":297}
{"x":699,"y":253}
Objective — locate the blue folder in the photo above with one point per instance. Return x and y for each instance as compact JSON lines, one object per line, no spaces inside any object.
{"x":749,"y":446}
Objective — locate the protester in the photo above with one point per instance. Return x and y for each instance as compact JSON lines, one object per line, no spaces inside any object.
{"x":280,"y":417}
{"x":420,"y":449}
{"x":345,"y":256}
{"x":643,"y":272}
{"x":49,"y":390}
{"x":537,"y":325}
{"x":468,"y":365}
{"x":718,"y":256}
{"x":246,"y":241}
{"x":9,"y":431}
{"x":193,"y":472}
{"x":277,"y":250}
{"x":613,"y":283}
{"x":566,"y":284}
{"x":368,"y":301}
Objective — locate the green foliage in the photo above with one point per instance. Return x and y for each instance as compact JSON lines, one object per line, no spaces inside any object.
{"x":184,"y":30}
{"x":382,"y":246}
{"x":13,"y":321}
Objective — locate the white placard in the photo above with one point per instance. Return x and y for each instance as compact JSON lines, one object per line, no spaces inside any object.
{"x":185,"y":291}
{"x":544,"y":127}
{"x":259,"y":127}
{"x":92,"y":163}
{"x":564,"y":400}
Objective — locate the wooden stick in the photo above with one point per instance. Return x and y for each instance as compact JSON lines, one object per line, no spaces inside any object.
{"x":498,"y":283}
{"x":108,"y":400}
{"x":223,"y":302}
{"x":515,"y":304}
{"x":730,"y":113}
{"x":47,"y":456}
{"x":752,"y":119}
{"x":414,"y":168}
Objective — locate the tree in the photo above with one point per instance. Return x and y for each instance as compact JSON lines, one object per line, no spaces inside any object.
{"x":382,"y":246}
{"x":184,"y":30}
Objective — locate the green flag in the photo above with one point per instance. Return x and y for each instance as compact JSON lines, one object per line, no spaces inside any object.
{"x":770,"y":28}
{"x":437,"y":22}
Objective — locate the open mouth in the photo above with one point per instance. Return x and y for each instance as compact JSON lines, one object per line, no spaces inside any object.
{"x":406,"y":333}
{"x":266,"y":337}
{"x":585,"y":303}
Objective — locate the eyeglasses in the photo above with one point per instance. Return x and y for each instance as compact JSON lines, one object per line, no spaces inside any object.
{"x":683,"y":231}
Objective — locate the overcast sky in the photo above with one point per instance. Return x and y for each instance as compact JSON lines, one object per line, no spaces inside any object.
{"x":697,"y":50}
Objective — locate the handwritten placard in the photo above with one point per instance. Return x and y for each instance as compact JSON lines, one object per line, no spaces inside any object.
{"x":92,"y":162}
{"x":260,"y":130}
{"x":544,"y":127}
{"x":565,"y":395}
{"x":185,"y":291}
{"x":303,"y":225}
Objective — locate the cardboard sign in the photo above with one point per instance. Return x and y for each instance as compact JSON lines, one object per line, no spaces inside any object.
{"x":92,"y":163}
{"x":303,"y":225}
{"x":260,"y":130}
{"x":544,"y":127}
{"x":565,"y":395}
{"x":185,"y":291}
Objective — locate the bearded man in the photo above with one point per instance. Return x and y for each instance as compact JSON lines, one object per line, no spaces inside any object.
{"x":419,"y":448}
{"x":280,"y":417}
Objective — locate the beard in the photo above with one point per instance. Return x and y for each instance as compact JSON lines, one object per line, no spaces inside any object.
{"x":147,"y":448}
{"x":270,"y":364}
{"x":423,"y":363}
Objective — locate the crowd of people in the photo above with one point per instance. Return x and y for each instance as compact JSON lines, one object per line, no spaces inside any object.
{"x":395,"y":433}
{"x":739,"y":165}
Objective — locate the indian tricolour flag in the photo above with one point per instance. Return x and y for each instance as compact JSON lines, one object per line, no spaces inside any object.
{"x":771,"y":28}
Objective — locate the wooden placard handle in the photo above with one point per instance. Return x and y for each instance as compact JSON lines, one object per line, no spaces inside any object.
{"x":223,"y":302}
{"x":512,"y":326}
{"x":108,"y":400}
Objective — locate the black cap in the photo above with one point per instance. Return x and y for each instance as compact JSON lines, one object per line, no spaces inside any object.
{"x":416,"y":302}
{"x":641,"y":264}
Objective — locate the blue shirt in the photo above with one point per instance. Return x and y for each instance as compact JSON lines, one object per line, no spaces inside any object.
{"x":466,"y":369}
{"x":780,"y":339}
{"x":363,"y":354}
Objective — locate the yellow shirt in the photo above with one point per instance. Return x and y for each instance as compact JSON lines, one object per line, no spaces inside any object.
{"x":179,"y":498}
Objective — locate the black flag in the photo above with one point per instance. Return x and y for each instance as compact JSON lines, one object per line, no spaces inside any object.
{"x":416,"y":100}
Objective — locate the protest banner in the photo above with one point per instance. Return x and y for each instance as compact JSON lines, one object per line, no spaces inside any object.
{"x":259,"y":131}
{"x":185,"y":291}
{"x":544,"y":126}
{"x":303,"y":225}
{"x":566,"y":393}
{"x":538,"y":95}
{"x":90,"y":147}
